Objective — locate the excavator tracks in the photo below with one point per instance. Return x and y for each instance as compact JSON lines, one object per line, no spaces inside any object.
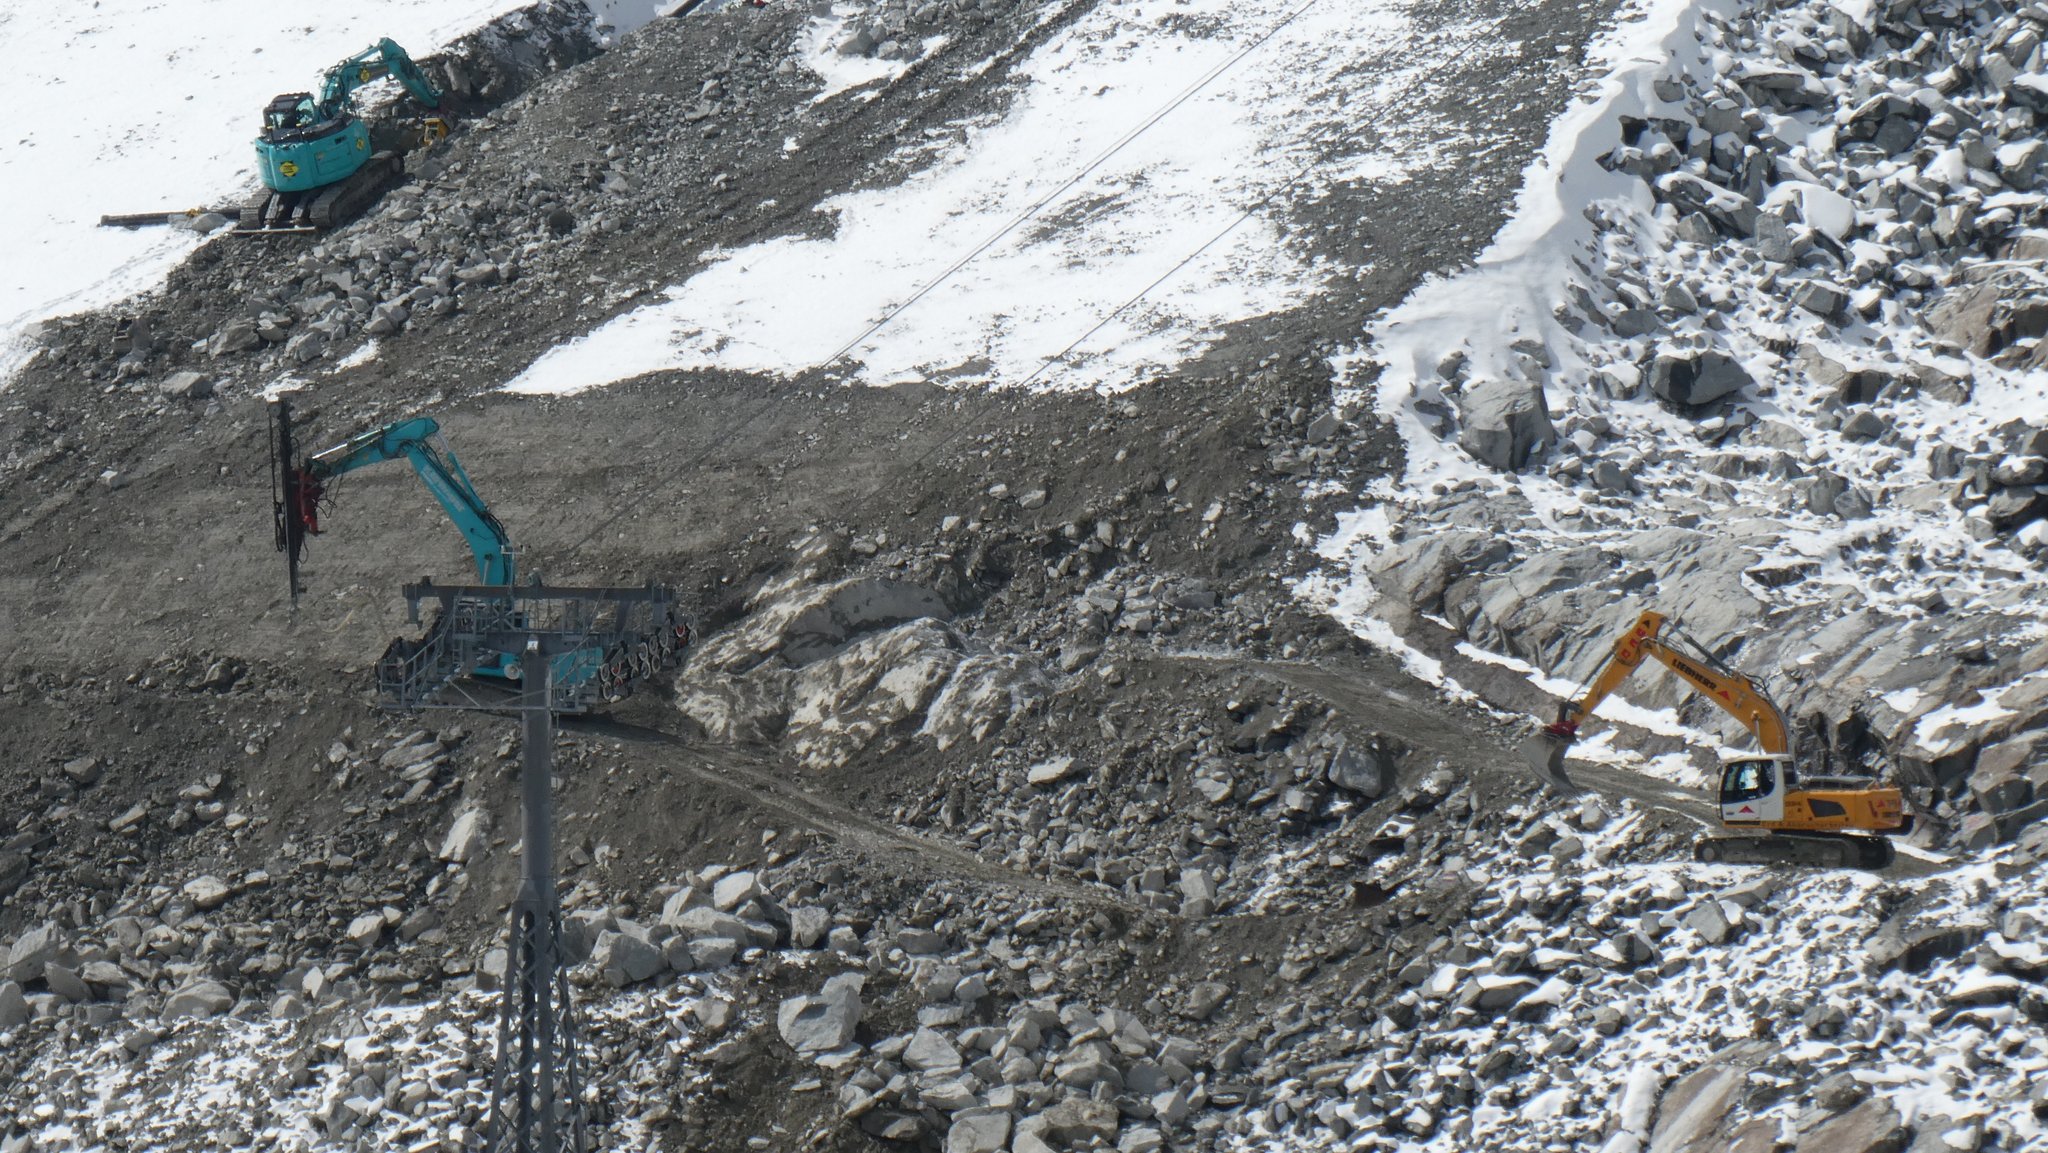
{"x":1824,"y":850}
{"x":319,"y":209}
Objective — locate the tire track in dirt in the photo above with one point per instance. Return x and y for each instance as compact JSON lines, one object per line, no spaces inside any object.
{"x":766,"y":783}
{"x":1417,"y":718}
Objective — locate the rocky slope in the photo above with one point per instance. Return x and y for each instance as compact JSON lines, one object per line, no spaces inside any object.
{"x":1776,"y":380}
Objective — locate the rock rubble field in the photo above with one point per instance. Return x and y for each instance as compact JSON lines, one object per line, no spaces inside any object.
{"x":1071,"y":770}
{"x":1797,"y":342}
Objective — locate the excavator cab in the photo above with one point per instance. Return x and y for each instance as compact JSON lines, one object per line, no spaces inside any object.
{"x":1753,"y":789}
{"x":286,"y":118}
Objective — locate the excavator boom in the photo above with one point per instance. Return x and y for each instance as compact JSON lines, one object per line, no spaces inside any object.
{"x":1737,"y":695}
{"x":384,"y":58}
{"x":616,"y":637}
{"x":302,"y":482}
{"x":418,"y":442}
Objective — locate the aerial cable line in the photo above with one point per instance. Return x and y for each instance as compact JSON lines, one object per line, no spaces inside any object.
{"x":1187,"y":94}
{"x":1170,"y":273}
{"x":1122,"y":142}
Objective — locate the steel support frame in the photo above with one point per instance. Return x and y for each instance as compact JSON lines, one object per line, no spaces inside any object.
{"x":536,"y":1103}
{"x":475,"y":620}
{"x":537,"y":1085}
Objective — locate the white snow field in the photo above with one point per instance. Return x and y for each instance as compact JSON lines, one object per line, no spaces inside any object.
{"x":1108,"y":226}
{"x":140,"y":105}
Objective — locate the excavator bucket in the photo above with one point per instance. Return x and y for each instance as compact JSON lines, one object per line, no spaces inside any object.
{"x":1544,"y":753}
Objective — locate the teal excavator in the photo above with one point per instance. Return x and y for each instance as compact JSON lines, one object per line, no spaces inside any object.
{"x":301,"y":487}
{"x":319,"y":159}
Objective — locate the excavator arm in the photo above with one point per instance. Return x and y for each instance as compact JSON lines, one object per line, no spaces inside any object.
{"x":384,"y":58}
{"x":418,"y":442}
{"x":1738,"y":695}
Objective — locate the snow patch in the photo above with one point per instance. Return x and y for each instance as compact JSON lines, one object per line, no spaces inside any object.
{"x":821,"y":43}
{"x":1107,"y":228}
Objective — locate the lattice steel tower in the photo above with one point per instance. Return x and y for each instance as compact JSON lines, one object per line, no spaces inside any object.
{"x":573,"y":646}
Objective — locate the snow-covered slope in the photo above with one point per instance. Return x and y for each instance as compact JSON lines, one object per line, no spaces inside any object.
{"x":1343,"y":939}
{"x":1587,"y":1003}
{"x":1125,"y":207}
{"x":138,"y":106}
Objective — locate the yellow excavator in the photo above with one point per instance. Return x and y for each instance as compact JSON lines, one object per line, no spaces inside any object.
{"x":1769,"y":813}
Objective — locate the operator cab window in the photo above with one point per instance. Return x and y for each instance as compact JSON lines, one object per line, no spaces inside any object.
{"x":292,"y":118}
{"x":295,"y":111}
{"x":1747,"y":780}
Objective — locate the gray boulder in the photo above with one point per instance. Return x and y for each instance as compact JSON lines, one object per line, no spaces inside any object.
{"x":1733,"y":212}
{"x":1690,"y":1113}
{"x":1826,"y":487}
{"x":704,"y":921}
{"x":1872,"y":1127}
{"x":1695,"y":378}
{"x":1075,"y":1121}
{"x":1839,"y":1092}
{"x":1493,"y":993}
{"x":64,"y":981}
{"x":2013,"y":507}
{"x":1087,"y":1065}
{"x":1503,"y":423}
{"x":627,"y":957}
{"x":1774,"y":238}
{"x":208,"y":892}
{"x":824,"y":1022}
{"x":199,"y":1000}
{"x":714,"y":952}
{"x":386,"y":319}
{"x":1711,"y":923}
{"x":31,"y":951}
{"x":808,"y":925}
{"x":1864,"y":426}
{"x":1419,"y":569}
{"x":1198,"y":892}
{"x":465,"y":837}
{"x":921,"y":942}
{"x":1631,"y":322}
{"x":987,"y":1132}
{"x":733,"y":890}
{"x":1630,"y":950}
{"x":1820,"y":298}
{"x":1362,"y":770}
{"x":234,"y":336}
{"x":186,"y":386}
{"x":2008,"y":774}
{"x":306,"y":346}
{"x":366,"y":930}
{"x":83,"y":771}
{"x":930,"y":1051}
{"x":14,"y":1010}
